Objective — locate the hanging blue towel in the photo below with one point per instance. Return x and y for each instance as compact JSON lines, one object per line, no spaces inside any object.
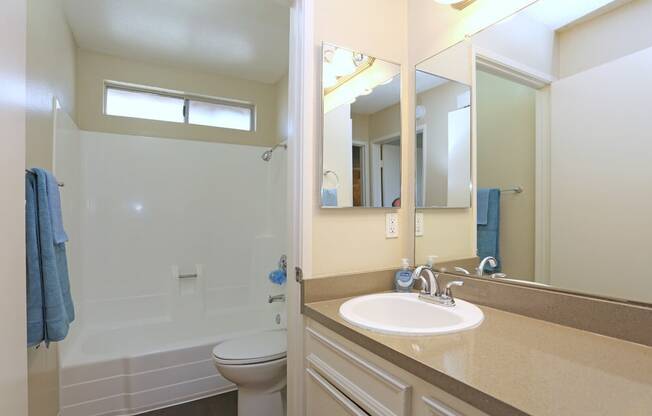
{"x":489,"y":233}
{"x":483,"y":206}
{"x":50,"y":308}
{"x":329,"y":197}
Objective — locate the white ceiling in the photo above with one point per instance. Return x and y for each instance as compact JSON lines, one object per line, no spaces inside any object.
{"x":242,"y":38}
{"x":559,"y":13}
{"x":387,"y":95}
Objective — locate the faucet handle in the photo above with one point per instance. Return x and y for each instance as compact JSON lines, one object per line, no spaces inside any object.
{"x":448,"y":293}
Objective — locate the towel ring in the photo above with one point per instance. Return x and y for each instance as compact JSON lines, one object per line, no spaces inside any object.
{"x":337,"y":178}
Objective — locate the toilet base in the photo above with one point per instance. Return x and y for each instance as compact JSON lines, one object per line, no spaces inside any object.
{"x":255,"y":403}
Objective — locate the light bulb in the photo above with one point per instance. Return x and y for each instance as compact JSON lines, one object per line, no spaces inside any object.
{"x":342,"y":62}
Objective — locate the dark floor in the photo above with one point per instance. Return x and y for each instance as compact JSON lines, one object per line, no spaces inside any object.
{"x":221,"y":405}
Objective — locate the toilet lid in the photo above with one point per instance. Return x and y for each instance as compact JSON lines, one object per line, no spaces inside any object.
{"x":255,"y":348}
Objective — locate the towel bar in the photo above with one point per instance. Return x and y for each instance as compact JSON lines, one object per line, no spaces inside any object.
{"x":187,"y":276}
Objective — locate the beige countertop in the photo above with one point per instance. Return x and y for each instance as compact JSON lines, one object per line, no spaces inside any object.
{"x":517,"y":365}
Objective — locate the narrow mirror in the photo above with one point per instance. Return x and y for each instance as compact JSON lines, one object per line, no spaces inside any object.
{"x":361,"y":147}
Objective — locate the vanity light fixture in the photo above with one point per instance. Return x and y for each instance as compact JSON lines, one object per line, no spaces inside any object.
{"x":340,"y":65}
{"x":457,"y":4}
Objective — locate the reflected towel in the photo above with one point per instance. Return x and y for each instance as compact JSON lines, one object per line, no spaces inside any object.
{"x":50,"y":308}
{"x":489,"y":233}
{"x":483,"y":206}
{"x":329,"y":197}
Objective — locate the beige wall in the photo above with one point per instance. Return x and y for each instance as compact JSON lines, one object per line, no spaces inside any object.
{"x":51,"y":52}
{"x":13,"y":358}
{"x":50,"y":73}
{"x":506,"y":158}
{"x":619,"y":32}
{"x":360,"y":126}
{"x":347,"y":240}
{"x":405,"y":32}
{"x":94,"y":68}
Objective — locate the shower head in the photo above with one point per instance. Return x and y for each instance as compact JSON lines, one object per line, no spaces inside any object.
{"x":267,"y":155}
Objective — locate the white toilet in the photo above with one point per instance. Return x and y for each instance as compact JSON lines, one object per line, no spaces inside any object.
{"x":256,"y":364}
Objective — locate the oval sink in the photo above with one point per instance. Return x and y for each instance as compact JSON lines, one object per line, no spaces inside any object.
{"x":406,"y":314}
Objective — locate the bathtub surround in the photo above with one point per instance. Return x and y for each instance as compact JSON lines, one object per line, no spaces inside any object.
{"x":145,"y":335}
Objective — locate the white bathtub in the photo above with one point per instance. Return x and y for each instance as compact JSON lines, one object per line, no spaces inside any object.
{"x":134,"y":369}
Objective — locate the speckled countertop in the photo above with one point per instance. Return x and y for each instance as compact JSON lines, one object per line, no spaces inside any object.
{"x":512,"y":364}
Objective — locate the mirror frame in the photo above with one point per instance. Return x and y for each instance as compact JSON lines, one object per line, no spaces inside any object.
{"x":321,"y":126}
{"x":471,"y":130}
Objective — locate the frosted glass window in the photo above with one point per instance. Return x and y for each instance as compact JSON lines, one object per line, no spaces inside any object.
{"x":139,"y":104}
{"x":220,"y":115}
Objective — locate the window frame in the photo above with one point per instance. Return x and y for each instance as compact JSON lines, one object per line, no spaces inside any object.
{"x":186,"y":103}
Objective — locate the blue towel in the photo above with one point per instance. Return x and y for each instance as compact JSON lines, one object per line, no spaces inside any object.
{"x":278,"y":277}
{"x":483,"y":206}
{"x":329,"y":197}
{"x":489,"y":234}
{"x":50,"y":308}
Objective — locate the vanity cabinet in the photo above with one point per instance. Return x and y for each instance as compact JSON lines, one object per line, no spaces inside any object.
{"x":343,"y":378}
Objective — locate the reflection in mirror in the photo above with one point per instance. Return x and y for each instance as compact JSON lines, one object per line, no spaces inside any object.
{"x":361,"y":151}
{"x":564,"y":145}
{"x":443,"y":142}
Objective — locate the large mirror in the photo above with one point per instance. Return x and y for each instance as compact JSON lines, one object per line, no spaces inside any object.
{"x":361,"y":146}
{"x":563,"y":144}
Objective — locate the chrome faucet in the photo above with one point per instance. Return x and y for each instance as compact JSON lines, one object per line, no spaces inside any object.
{"x":430,"y":289}
{"x":492,"y":262}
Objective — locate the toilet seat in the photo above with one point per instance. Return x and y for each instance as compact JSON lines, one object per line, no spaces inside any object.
{"x":256,"y":348}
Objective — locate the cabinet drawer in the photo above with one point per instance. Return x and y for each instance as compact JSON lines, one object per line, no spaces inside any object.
{"x":323,"y":399}
{"x":372,"y":388}
{"x":434,"y":407}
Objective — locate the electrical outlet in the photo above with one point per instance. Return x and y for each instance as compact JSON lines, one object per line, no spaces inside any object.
{"x":391,"y":225}
{"x":418,"y":224}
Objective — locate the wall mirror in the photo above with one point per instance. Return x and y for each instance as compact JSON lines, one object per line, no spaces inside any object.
{"x":443,"y":140}
{"x":361,"y":130}
{"x":563,"y":147}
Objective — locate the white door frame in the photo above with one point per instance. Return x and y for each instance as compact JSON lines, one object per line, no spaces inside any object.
{"x":301,"y":94}
{"x":522,"y":74}
{"x":422,"y":128}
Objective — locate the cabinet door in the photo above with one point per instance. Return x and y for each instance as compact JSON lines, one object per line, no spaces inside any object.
{"x":322,"y":399}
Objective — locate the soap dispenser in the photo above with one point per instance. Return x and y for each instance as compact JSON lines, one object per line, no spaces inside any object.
{"x":403,"y":281}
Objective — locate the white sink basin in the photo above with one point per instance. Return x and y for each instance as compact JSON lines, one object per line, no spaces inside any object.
{"x":406,"y":314}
